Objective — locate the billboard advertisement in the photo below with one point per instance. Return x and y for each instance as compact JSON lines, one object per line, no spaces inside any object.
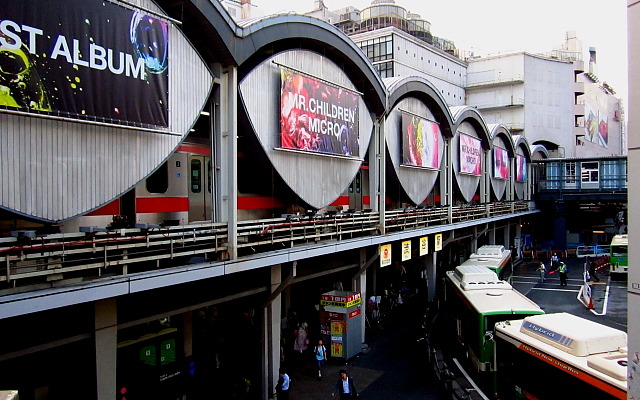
{"x":470,"y":155}
{"x":318,"y":117}
{"x":590,"y":123}
{"x":500,"y":163}
{"x":88,"y":60}
{"x":521,"y":168}
{"x":603,"y":132}
{"x":420,"y":139}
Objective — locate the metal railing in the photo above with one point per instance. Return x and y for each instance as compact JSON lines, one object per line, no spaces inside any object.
{"x":83,"y":256}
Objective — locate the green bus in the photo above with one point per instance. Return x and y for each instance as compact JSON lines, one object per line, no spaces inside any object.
{"x":476,"y":300}
{"x":618,"y":257}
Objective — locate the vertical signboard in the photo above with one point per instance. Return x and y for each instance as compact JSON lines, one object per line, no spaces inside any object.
{"x":500,"y":163}
{"x":406,"y":250}
{"x":438,"y":242}
{"x":521,"y":168}
{"x":424,"y":245}
{"x":470,"y":155}
{"x":385,"y":255}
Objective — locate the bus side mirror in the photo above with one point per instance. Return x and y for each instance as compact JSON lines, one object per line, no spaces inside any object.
{"x":488,"y":336}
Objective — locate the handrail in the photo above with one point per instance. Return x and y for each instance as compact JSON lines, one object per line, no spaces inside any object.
{"x":123,"y":251}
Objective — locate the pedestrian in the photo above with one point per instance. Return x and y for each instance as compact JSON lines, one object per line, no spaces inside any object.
{"x":301,"y":342}
{"x":542,"y":270}
{"x":282,"y":387}
{"x":592,"y":271}
{"x":554,"y":261}
{"x":562,"y":271}
{"x":346,"y":387}
{"x":321,"y":356}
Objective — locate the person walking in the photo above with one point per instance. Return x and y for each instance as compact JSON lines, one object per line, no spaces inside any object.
{"x":555,"y":260}
{"x":542,"y":270}
{"x":321,"y":356}
{"x":562,"y":271}
{"x":346,"y":387}
{"x":282,"y":387}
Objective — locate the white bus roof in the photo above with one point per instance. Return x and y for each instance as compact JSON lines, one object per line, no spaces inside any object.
{"x":491,"y":251}
{"x":576,"y":341}
{"x":486,"y":263}
{"x":487,"y":293}
{"x":620,"y":240}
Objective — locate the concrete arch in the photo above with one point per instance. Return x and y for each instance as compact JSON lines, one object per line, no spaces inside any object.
{"x":462,"y":114}
{"x":417,"y":96}
{"x":500,"y":137}
{"x":265,"y":37}
{"x":501,"y":131}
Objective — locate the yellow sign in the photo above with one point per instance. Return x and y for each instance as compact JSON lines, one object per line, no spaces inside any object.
{"x":342,"y":304}
{"x":336,"y":349}
{"x":337,"y":327}
{"x":406,"y":250}
{"x":424,"y":245}
{"x":438,"y":244}
{"x":385,"y":255}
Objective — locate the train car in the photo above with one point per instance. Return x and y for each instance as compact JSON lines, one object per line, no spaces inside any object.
{"x":618,"y":256}
{"x":560,"y":356}
{"x":477,"y":300}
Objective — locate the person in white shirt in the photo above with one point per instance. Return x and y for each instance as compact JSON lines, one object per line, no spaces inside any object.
{"x":282,"y":387}
{"x":345,"y":387}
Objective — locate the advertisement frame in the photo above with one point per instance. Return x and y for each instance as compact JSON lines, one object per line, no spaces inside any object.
{"x":477,"y":141}
{"x":497,"y":170}
{"x":410,"y":149}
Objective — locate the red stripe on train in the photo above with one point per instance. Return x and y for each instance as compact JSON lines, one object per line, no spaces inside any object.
{"x":112,"y":208}
{"x":258,"y":202}
{"x":162,"y":204}
{"x":194,"y":149}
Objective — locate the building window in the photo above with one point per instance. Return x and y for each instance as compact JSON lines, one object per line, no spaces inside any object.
{"x":378,"y":49}
{"x":385,"y":69}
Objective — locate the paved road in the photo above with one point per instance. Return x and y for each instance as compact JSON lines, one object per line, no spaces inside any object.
{"x":394,"y":366}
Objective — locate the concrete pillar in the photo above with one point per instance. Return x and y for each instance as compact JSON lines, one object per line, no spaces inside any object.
{"x":227,"y":155}
{"x":382,"y":186}
{"x":272,"y":315}
{"x":359,"y":284}
{"x":106,"y":346}
{"x":492,"y":233}
{"x":506,"y":238}
{"x":474,"y":239}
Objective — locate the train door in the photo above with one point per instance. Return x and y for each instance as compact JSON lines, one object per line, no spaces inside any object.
{"x":355,"y":192}
{"x":570,"y":178}
{"x":590,"y":175}
{"x":199,"y":188}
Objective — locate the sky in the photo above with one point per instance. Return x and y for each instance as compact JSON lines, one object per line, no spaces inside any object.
{"x":500,"y":26}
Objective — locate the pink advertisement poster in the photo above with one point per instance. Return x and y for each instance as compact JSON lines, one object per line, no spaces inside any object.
{"x":420,"y":139}
{"x":500,"y":163}
{"x":317,"y":117}
{"x":521,"y":168}
{"x":470,"y":155}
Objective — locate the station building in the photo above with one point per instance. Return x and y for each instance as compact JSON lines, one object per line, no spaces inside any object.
{"x":175,"y":183}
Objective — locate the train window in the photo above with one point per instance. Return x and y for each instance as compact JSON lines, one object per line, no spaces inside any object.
{"x":158,"y":182}
{"x":196,"y":176}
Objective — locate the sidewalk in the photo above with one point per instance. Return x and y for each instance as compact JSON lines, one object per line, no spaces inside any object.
{"x":393,"y":368}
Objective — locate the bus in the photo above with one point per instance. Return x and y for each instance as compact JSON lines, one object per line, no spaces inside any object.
{"x":560,"y":356}
{"x":618,"y":255}
{"x":494,"y":257}
{"x":476,"y":300}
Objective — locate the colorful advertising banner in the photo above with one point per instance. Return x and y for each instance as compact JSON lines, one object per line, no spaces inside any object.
{"x":521,"y":168}
{"x":590,"y":123}
{"x":317,"y":117}
{"x":420,"y":139}
{"x":470,"y":155}
{"x":84,"y":59}
{"x":603,"y":132}
{"x":500,"y":163}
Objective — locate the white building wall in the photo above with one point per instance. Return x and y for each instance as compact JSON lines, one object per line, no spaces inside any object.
{"x":549,"y":97}
{"x":607,"y":108}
